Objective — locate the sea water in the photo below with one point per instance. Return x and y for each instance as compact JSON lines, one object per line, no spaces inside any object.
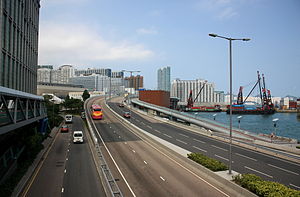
{"x":288,"y":124}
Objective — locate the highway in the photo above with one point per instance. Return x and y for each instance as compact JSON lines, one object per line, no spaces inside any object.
{"x":141,"y":169}
{"x":244,"y":160}
{"x":68,"y":169}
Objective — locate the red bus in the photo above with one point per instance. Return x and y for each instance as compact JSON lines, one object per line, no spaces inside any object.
{"x":97,"y":113}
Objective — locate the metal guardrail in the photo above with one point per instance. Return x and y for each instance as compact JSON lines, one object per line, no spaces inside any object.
{"x":18,"y":109}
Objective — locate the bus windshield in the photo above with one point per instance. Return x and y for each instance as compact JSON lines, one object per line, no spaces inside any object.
{"x":97,"y":109}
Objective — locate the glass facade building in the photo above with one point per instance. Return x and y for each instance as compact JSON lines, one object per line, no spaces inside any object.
{"x":19,"y":21}
{"x":164,"y":79}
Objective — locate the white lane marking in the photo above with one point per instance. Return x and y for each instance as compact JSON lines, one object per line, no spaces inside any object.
{"x":219,"y":148}
{"x":125,"y":142}
{"x":149,"y":127}
{"x":199,"y":149}
{"x":142,"y":123}
{"x":181,"y":141}
{"x":68,"y":150}
{"x":65,"y":171}
{"x":283,"y":169}
{"x":199,"y":141}
{"x":222,"y":157}
{"x":114,"y":131}
{"x":157,"y":131}
{"x":145,"y":162}
{"x":67,"y":159}
{"x":126,"y":182}
{"x":162,"y":178}
{"x":137,"y":120}
{"x":183,"y":135}
{"x":258,"y":172}
{"x":168,"y":136}
{"x":119,"y":136}
{"x":62,"y":190}
{"x":246,"y":156}
{"x":295,"y":186}
{"x":133,"y":151}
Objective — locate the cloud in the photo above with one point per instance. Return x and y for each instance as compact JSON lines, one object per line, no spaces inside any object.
{"x":220,"y":9}
{"x":148,"y":31}
{"x":79,"y":44}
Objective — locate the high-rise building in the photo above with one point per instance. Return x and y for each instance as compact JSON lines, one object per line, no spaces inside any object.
{"x":135,"y":82}
{"x":44,"y":75}
{"x":89,"y":71}
{"x":164,"y":79}
{"x":182,"y":88}
{"x":19,"y":22}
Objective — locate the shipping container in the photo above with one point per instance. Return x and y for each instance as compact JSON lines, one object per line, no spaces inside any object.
{"x":156,"y":97}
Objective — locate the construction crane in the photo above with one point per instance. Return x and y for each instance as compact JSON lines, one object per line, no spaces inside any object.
{"x":191,"y":101}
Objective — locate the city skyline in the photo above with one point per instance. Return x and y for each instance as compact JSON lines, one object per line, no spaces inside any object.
{"x":148,"y":35}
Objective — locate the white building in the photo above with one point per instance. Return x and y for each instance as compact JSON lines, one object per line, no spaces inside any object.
{"x":181,"y":89}
{"x":164,"y":79}
{"x":78,"y":95}
{"x":44,"y":75}
{"x":67,"y":71}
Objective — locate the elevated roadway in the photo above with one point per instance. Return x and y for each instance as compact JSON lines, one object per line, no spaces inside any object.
{"x":244,"y":160}
{"x":144,"y":169}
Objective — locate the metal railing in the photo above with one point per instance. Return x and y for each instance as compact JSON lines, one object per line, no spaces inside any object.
{"x":18,"y":109}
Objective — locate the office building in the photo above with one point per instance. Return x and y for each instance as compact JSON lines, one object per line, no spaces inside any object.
{"x":19,"y":30}
{"x":164,"y":79}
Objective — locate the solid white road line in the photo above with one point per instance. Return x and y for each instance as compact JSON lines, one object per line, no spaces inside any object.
{"x":245,"y":156}
{"x":145,"y":162}
{"x":168,"y":136}
{"x":258,"y":172}
{"x":162,"y":178}
{"x":183,"y":135}
{"x":283,"y":169}
{"x":219,"y":148}
{"x":181,"y":141}
{"x":295,"y":186}
{"x":199,"y":141}
{"x":199,"y":149}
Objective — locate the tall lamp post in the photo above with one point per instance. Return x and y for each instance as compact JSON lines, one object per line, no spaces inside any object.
{"x":214,"y":116}
{"x":239,"y":120}
{"x":274,"y":124}
{"x":230,"y":83}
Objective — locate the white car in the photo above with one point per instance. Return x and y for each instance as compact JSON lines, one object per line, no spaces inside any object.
{"x":68,"y":118}
{"x":77,"y":137}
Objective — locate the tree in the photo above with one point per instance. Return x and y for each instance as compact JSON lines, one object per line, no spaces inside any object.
{"x":85,"y":95}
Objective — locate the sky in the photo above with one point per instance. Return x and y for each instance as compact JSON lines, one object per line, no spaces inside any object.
{"x":145,"y":35}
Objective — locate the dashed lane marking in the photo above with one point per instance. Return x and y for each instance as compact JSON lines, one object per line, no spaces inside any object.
{"x":162,"y":178}
{"x":258,"y":172}
{"x":199,"y":141}
{"x":181,"y":141}
{"x":246,"y":156}
{"x":283,"y":169}
{"x":183,"y":135}
{"x":168,"y":135}
{"x":219,"y":148}
{"x":145,"y":162}
{"x":199,"y":149}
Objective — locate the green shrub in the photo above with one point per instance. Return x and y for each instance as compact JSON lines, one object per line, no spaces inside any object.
{"x":298,"y":147}
{"x":263,"y":188}
{"x":207,"y":162}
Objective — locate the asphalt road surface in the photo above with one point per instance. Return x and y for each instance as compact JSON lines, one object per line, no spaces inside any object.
{"x":143,"y":170}
{"x":68,"y":170}
{"x":244,"y":160}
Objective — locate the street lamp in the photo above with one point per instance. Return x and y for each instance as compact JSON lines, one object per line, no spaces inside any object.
{"x":239,"y":120}
{"x":274,"y":124}
{"x":196,"y":114}
{"x":230,"y":83}
{"x":214,"y":116}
